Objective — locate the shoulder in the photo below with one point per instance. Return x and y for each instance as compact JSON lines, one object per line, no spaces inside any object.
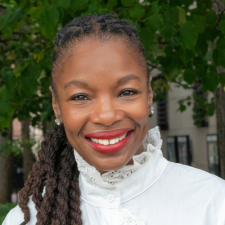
{"x":197,"y":187}
{"x":196,"y":182}
{"x":16,"y":216}
{"x":200,"y":177}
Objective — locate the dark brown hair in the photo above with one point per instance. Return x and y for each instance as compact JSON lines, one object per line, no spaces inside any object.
{"x":56,"y":168}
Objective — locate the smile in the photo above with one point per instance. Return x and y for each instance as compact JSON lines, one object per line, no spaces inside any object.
{"x":109,"y":142}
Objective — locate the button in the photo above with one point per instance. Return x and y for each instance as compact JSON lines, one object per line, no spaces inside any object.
{"x":110,"y":198}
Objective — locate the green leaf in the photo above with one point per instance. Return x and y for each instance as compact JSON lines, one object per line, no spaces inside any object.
{"x":211,"y":33}
{"x":147,"y":37}
{"x":222,"y":25}
{"x":200,"y":66}
{"x":79,"y":4}
{"x":170,"y":22}
{"x":172,"y":16}
{"x":218,"y":57}
{"x":188,"y":36}
{"x":211,"y":18}
{"x":219,"y":53}
{"x":167,"y":31}
{"x":127,"y":3}
{"x":93,"y":7}
{"x":222,"y":78}
{"x":182,"y":15}
{"x":155,"y":8}
{"x":95,"y":1}
{"x":63,"y":3}
{"x":221,"y":44}
{"x":17,"y":16}
{"x":49,"y":20}
{"x":199,"y":22}
{"x":5,"y":19}
{"x":137,"y":12}
{"x":189,"y":76}
{"x":182,"y":107}
{"x":154,"y":22}
{"x":29,"y":80}
{"x":210,"y":108}
{"x":35,"y":12}
{"x":201,"y":45}
{"x":111,"y":4}
{"x":210,"y":80}
{"x":23,"y":3}
{"x":186,"y":55}
{"x":7,"y":32}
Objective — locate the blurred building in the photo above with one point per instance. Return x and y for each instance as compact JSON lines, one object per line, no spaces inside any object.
{"x":35,"y":134}
{"x":184,"y":142}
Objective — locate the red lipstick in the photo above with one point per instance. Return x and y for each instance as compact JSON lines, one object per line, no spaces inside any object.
{"x":109,"y":149}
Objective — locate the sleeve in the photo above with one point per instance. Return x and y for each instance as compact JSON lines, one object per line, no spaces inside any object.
{"x":221,"y":220}
{"x":14,"y":217}
{"x":7,"y":220}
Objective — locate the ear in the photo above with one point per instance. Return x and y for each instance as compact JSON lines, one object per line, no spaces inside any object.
{"x":150,"y":92}
{"x":55,"y":105}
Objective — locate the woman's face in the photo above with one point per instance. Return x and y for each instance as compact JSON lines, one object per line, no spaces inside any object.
{"x":102,"y":94}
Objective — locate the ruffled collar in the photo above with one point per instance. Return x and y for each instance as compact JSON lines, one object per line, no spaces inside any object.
{"x":109,"y":179}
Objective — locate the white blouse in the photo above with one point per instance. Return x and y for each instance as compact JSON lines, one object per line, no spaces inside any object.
{"x":152,"y":191}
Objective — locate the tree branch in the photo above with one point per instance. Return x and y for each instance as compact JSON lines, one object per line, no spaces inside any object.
{"x":2,"y":7}
{"x":153,"y":66}
{"x":180,"y":84}
{"x":220,"y":17}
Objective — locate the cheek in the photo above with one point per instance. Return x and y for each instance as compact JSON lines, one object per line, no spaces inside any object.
{"x":74,"y":120}
{"x":138,"y":111}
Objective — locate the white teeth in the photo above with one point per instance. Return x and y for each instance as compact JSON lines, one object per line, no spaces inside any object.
{"x":95,"y":140}
{"x":112,"y":141}
{"x":117,"y":140}
{"x":108,"y":142}
{"x":105,"y":142}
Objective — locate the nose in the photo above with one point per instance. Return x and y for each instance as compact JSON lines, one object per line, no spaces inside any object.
{"x":106,"y":112}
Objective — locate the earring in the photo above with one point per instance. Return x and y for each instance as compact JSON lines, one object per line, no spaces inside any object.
{"x":151,"y":109}
{"x":57,"y":121}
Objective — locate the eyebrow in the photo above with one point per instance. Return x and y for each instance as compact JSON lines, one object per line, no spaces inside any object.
{"x":84,"y":84}
{"x":128,"y":78}
{"x":75,"y":83}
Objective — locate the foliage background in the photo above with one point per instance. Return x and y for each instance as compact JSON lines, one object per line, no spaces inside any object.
{"x":184,"y":43}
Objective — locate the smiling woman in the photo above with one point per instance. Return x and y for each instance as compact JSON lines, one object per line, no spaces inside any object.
{"x":100,"y":164}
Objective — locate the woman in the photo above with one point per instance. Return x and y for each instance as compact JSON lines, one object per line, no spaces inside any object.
{"x":100,"y":164}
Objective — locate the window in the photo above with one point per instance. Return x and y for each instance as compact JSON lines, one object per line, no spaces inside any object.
{"x":178,"y":149}
{"x":213,"y":156}
{"x":162,"y":112}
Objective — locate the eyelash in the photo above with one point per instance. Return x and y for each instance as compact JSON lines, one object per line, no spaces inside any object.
{"x":74,"y":98}
{"x":130,"y":90}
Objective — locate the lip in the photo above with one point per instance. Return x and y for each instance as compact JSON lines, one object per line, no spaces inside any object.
{"x":111,"y":149}
{"x":109,"y":134}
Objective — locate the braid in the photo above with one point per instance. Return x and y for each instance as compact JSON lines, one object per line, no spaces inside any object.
{"x":99,"y":27}
{"x":61,"y":202}
{"x":61,"y":173}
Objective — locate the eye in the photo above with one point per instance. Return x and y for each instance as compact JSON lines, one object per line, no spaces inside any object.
{"x":128,"y":92}
{"x":79,"y":98}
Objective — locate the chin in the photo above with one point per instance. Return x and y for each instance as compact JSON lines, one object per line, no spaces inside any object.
{"x":111,"y":164}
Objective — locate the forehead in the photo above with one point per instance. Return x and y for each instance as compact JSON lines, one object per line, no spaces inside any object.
{"x":95,"y":60}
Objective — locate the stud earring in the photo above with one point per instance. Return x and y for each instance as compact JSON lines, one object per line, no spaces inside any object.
{"x":151,"y":109}
{"x":57,"y":121}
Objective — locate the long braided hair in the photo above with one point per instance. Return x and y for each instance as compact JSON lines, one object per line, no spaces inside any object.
{"x":56,"y":169}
